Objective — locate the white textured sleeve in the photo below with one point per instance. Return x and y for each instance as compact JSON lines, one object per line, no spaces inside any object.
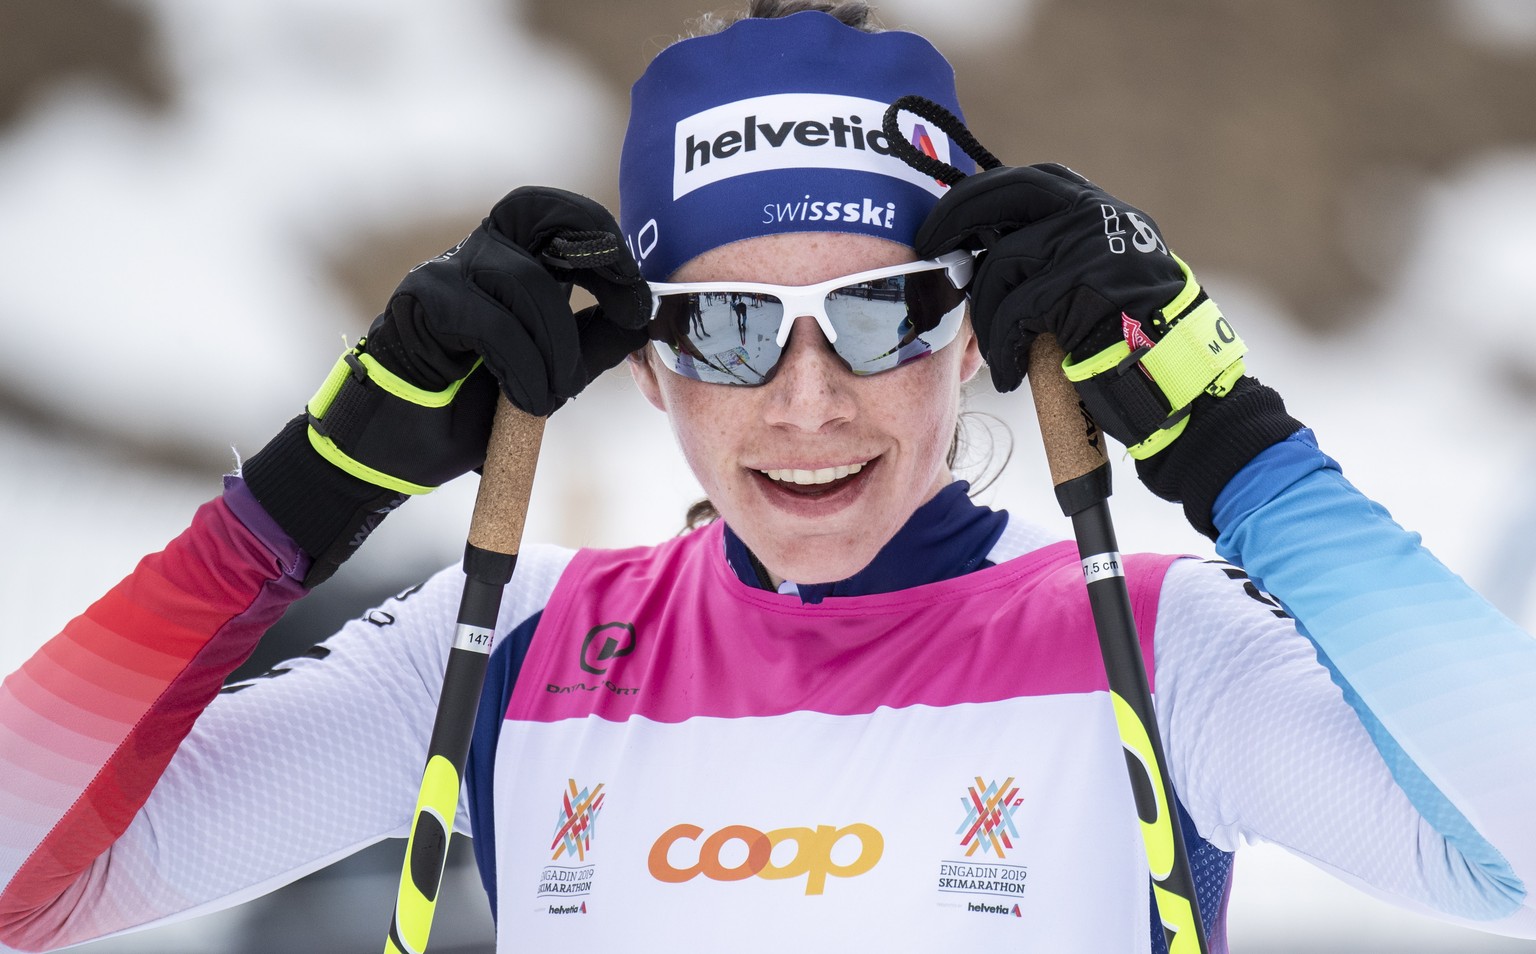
{"x":1262,"y":746}
{"x":290,"y":771}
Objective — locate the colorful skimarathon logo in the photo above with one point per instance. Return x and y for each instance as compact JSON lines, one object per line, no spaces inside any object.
{"x":575,"y":827}
{"x":577,"y":821}
{"x":988,"y":832}
{"x":964,"y":877}
{"x":795,"y":131}
{"x":989,"y":824}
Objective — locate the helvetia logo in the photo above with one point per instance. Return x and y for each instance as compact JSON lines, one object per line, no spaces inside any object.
{"x":795,"y":131}
{"x":923,"y":141}
{"x":994,"y":909}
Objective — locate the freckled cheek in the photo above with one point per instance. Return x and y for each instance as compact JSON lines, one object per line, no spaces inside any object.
{"x":922,"y":410}
{"x":704,"y":427}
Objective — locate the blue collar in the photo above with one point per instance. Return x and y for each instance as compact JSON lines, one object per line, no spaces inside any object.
{"x":946,"y":537}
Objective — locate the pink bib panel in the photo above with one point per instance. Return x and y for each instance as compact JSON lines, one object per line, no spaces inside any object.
{"x":692,"y":764}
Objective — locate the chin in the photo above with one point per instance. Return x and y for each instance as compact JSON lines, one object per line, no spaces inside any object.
{"x":796,"y":567}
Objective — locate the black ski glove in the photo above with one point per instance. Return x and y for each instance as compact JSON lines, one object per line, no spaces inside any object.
{"x":1153,"y":359}
{"x":411,"y":406}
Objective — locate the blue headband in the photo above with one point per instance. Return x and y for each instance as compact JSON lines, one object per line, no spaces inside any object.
{"x":773,"y":125}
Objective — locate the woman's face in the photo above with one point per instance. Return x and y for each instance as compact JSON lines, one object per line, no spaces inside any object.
{"x":756,"y":450}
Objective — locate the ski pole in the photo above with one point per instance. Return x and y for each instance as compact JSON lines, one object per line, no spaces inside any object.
{"x":495,"y":533}
{"x":1080,"y":472}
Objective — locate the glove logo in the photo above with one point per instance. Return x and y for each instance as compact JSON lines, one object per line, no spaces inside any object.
{"x":1145,"y":239}
{"x":643,"y":243}
{"x":445,"y":256}
{"x":1134,"y":335}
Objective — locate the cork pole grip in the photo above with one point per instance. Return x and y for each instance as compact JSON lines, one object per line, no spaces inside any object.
{"x":506,"y":483}
{"x":1073,"y":444}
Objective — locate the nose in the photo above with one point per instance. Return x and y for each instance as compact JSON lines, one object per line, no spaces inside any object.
{"x":811,"y":389}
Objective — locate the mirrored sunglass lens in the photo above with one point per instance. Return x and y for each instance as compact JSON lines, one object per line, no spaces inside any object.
{"x":884,"y":323}
{"x":719,"y":337}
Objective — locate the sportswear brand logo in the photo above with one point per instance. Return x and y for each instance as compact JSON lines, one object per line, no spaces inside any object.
{"x":793,"y":131}
{"x":577,"y":821}
{"x":989,"y":810}
{"x":643,"y":242}
{"x":1224,"y":333}
{"x":576,"y":687}
{"x":1134,"y":335}
{"x":618,"y":641}
{"x":446,"y":255}
{"x":812,"y":857}
{"x":1145,"y":238}
{"x":863,"y":210}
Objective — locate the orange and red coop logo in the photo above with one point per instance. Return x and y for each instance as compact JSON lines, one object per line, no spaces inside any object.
{"x":739,"y":852}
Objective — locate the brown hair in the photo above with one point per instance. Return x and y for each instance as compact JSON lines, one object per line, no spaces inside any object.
{"x":860,"y":16}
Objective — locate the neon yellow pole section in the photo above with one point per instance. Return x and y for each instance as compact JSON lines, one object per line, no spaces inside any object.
{"x":490,"y":556}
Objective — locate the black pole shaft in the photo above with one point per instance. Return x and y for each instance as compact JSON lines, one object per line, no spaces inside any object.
{"x":486,"y":574}
{"x":1110,"y":601}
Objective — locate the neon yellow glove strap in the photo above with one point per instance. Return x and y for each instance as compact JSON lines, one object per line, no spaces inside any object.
{"x":1159,"y":438}
{"x":1197,"y":354}
{"x":384,"y":378}
{"x":1201,"y":354}
{"x":1107,"y":360}
{"x":1183,"y":299}
{"x":346,"y":367}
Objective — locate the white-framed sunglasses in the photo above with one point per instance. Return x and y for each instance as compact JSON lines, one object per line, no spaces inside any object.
{"x":735,"y":332}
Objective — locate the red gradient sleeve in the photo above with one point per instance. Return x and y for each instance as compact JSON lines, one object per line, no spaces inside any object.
{"x":88,"y":724}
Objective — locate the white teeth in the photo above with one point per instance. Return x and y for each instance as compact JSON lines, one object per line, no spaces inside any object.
{"x":823,"y":475}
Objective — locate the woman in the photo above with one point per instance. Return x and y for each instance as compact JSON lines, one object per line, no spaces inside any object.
{"x":857,"y":711}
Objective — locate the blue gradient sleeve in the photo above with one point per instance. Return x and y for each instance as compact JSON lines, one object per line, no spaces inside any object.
{"x":1444,"y":683}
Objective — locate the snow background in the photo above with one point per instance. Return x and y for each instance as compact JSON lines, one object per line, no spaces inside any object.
{"x":165,"y":278}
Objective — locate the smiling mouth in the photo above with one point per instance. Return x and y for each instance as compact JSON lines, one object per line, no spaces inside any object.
{"x":813,"y":478}
{"x":822,"y":482}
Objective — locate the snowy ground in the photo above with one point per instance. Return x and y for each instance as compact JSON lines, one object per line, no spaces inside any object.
{"x":161,"y":278}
